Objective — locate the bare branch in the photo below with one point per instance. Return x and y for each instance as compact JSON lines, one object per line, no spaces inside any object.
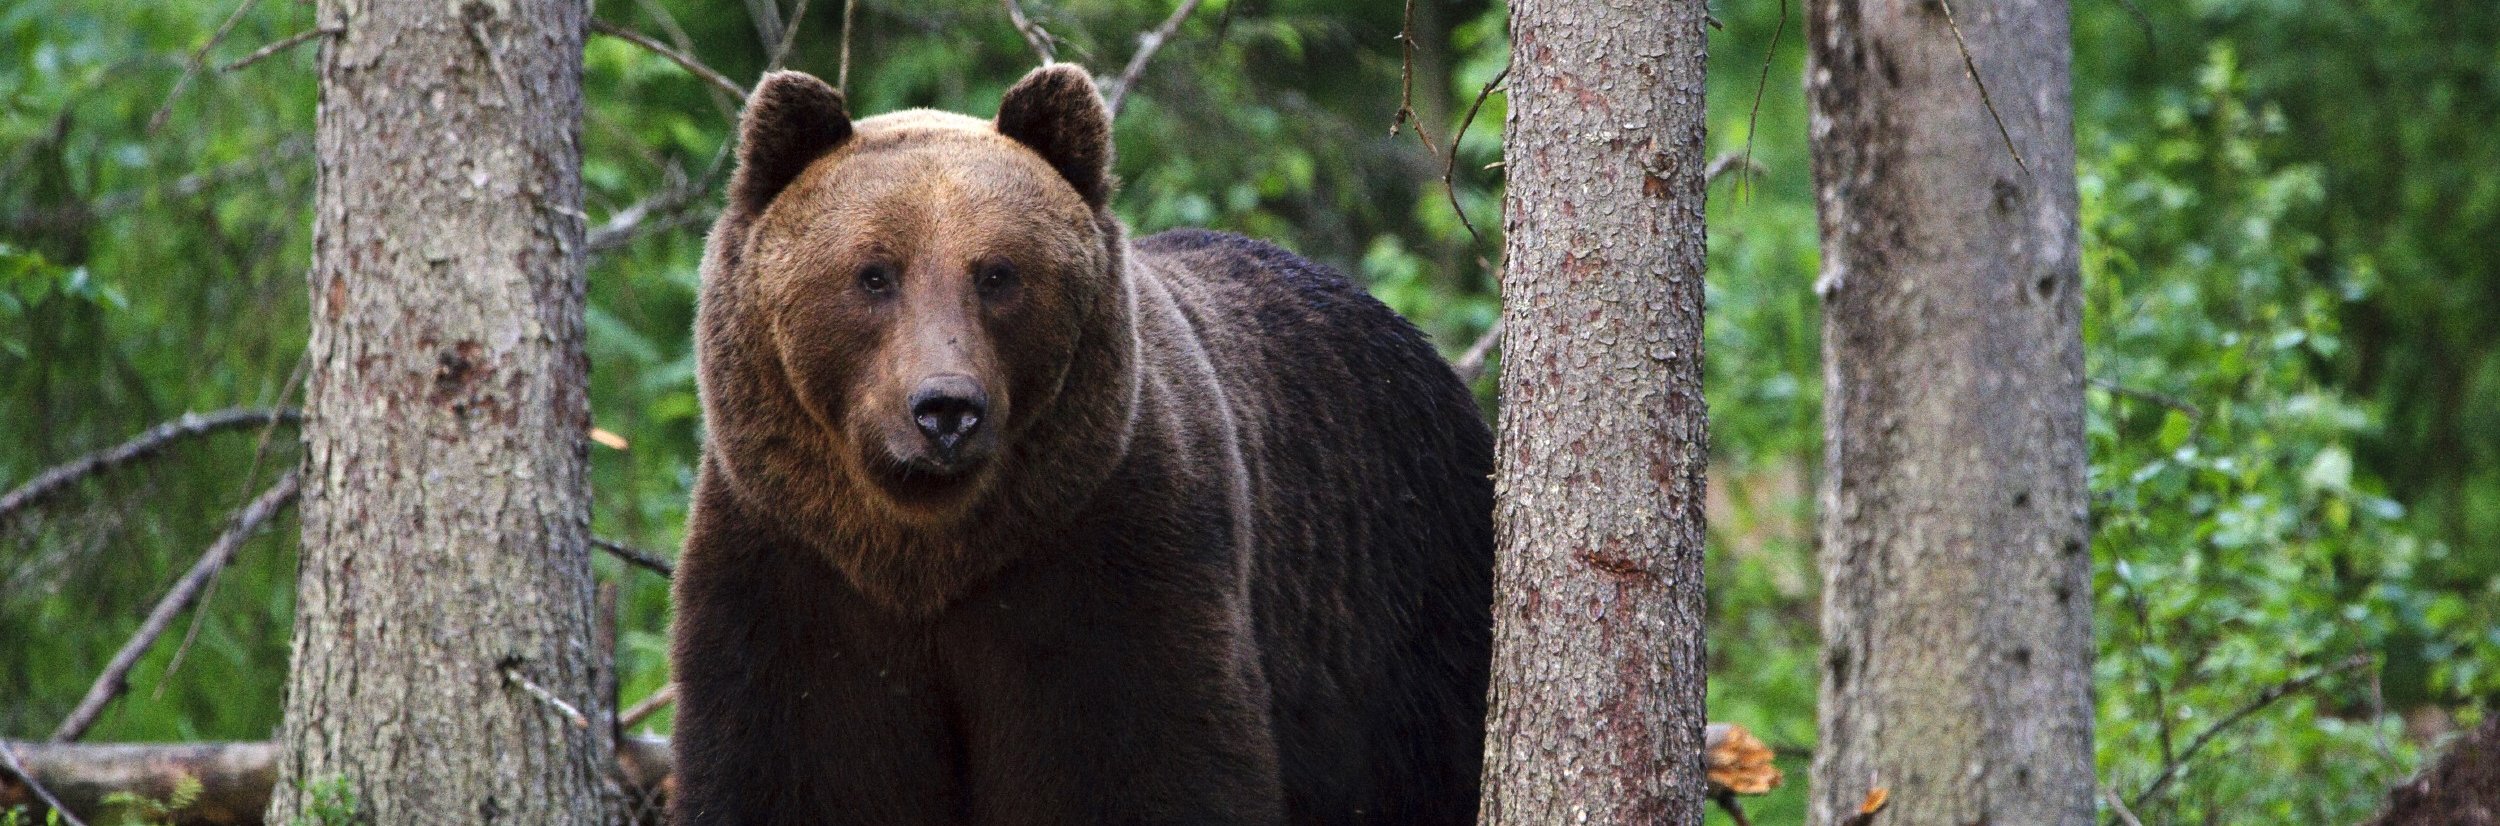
{"x":199,"y":61}
{"x":1034,"y":36}
{"x":1761,"y":87}
{"x":271,"y":50}
{"x":1449,"y":169}
{"x":1728,"y":162}
{"x":842,"y":78}
{"x":789,"y":37}
{"x":649,"y":706}
{"x":156,"y":439}
{"x":1972,"y":66}
{"x":8,"y":753}
{"x":1147,"y":45}
{"x":2162,"y":399}
{"x":2118,"y":807}
{"x":637,"y":558}
{"x":1406,"y":87}
{"x":116,"y":676}
{"x":682,"y":59}
{"x":513,"y":676}
{"x":1470,"y":364}
{"x":2295,"y":685}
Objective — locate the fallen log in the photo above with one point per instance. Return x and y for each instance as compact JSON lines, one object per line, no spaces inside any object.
{"x":234,"y":777}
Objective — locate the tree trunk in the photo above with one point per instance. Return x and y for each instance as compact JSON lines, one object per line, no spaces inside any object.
{"x":446,"y":577}
{"x":1957,"y":602}
{"x":1597,"y":667}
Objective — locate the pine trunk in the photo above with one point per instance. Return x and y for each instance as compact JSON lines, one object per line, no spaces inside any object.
{"x":445,"y":566}
{"x":1957,"y":601}
{"x":1597,"y":669}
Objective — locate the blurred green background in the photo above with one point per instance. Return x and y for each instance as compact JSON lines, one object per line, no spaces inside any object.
{"x":2289,"y":213}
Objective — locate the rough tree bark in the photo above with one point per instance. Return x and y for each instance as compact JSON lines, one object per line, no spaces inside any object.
{"x":1597,"y":668}
{"x":446,"y":572}
{"x":1957,"y":603}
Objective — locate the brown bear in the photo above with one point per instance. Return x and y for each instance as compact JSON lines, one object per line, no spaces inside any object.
{"x":1005,"y":519}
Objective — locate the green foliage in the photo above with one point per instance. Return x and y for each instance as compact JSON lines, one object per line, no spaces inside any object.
{"x":2289,"y":316}
{"x":137,"y":810}
{"x":18,"y":816}
{"x":333,"y":803}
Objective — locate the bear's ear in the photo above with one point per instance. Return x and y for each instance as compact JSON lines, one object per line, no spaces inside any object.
{"x":791,"y":120}
{"x":1056,"y":111}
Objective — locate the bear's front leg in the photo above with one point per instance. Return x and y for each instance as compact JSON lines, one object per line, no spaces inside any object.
{"x":1087,"y":701}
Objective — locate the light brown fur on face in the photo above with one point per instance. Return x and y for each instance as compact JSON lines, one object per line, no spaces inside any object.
{"x":922,"y":257}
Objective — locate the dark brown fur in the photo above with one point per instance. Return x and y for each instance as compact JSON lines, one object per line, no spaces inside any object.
{"x":1220,"y":555}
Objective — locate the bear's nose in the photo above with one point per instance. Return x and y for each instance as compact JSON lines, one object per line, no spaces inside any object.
{"x":948,"y":410}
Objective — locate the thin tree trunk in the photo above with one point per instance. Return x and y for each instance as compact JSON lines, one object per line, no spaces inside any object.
{"x":446,"y":572}
{"x":1597,"y":668}
{"x":1957,"y":602}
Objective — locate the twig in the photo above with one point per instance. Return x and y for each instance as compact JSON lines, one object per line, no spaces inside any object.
{"x":1972,"y":66}
{"x":512,"y":675}
{"x":683,"y":60}
{"x":8,"y":752}
{"x":649,"y":706}
{"x":789,"y":36}
{"x":271,"y":50}
{"x":147,"y":444}
{"x":1449,"y":169}
{"x":1761,"y":88}
{"x":672,"y":204}
{"x":1470,"y":364}
{"x":251,"y":479}
{"x":2163,"y":399}
{"x":1406,"y":87}
{"x":1033,"y":34}
{"x":1147,"y":45}
{"x":767,"y":17}
{"x":2118,"y":808}
{"x":637,"y":558}
{"x":1728,"y":162}
{"x":199,"y":61}
{"x":116,"y":676}
{"x":842,"y":78}
{"x":2170,"y":771}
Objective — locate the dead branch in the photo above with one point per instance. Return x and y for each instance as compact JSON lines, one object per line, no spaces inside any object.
{"x":682,"y":59}
{"x":2162,"y":399}
{"x":2118,"y":807}
{"x":199,"y":61}
{"x":1406,"y":86}
{"x":1972,"y":66}
{"x":789,"y":37}
{"x":1147,"y":44}
{"x":116,"y":676}
{"x":842,"y":77}
{"x":1728,"y":162}
{"x":1761,"y":88}
{"x":1033,"y":34}
{"x":512,"y":676}
{"x":649,"y":706}
{"x":234,"y":778}
{"x":1470,"y":364}
{"x":2295,"y":685}
{"x":1449,"y":169}
{"x":147,"y":444}
{"x":638,"y":558}
{"x":271,"y":50}
{"x":35,"y":788}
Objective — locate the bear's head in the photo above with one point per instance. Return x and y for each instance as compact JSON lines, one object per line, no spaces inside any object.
{"x":913,"y":326}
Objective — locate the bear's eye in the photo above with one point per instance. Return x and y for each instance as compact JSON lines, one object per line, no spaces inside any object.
{"x":994,"y":276}
{"x":876,"y":278}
